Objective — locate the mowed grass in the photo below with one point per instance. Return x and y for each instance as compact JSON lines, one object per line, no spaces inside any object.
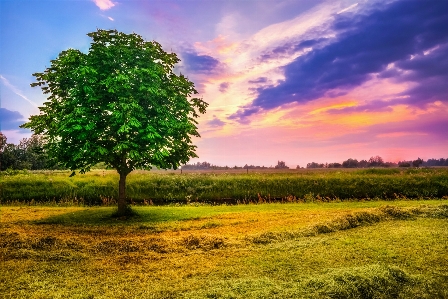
{"x":303,"y":250}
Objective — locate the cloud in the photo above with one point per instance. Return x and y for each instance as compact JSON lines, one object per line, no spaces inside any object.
{"x":433,"y":130}
{"x":16,"y":91}
{"x":429,"y":72}
{"x":104,"y":4}
{"x":224,"y":86}
{"x":200,"y":63}
{"x":215,"y":123}
{"x":373,"y":106}
{"x":288,"y":49}
{"x":365,"y":45}
{"x":348,"y":8}
{"x":242,"y":115}
{"x":10,"y":120}
{"x":258,"y":80}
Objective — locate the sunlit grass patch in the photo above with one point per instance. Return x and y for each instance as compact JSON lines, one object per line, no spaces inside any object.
{"x":397,"y":249}
{"x":370,"y":281}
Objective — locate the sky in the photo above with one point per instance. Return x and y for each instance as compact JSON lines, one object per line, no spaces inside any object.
{"x":293,"y":80}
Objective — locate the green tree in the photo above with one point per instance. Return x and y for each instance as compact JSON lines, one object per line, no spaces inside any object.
{"x":3,"y":140}
{"x":35,"y":153}
{"x":121,"y":104}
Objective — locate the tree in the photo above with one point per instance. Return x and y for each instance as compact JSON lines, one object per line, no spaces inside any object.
{"x":334,"y":165}
{"x":404,"y":164}
{"x":417,"y":163}
{"x":30,"y":154}
{"x":315,"y":165}
{"x":121,"y":104}
{"x":13,"y":157}
{"x":2,"y":146}
{"x":363,"y":164}
{"x":35,"y":153}
{"x":281,"y":165}
{"x":376,"y":161}
{"x":350,"y":163}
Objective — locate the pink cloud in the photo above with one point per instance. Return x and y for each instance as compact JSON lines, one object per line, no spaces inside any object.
{"x":104,"y":4}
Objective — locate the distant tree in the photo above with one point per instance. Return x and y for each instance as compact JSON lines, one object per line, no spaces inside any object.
{"x":281,"y":165}
{"x":14,"y":157}
{"x":3,"y":140}
{"x":121,"y":104}
{"x":389,"y":164}
{"x":436,"y":162}
{"x":35,"y":153}
{"x":363,"y":164}
{"x":350,"y":163}
{"x":417,"y":163}
{"x":334,"y":165}
{"x":376,"y":161}
{"x":29,"y":154}
{"x":404,"y":164}
{"x":314,"y":165}
{"x":298,"y":167}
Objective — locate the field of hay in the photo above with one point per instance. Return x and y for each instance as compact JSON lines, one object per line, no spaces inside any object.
{"x":356,"y":249}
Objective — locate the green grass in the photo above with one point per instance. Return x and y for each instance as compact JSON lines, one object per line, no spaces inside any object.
{"x":101,"y":187}
{"x":370,"y":249}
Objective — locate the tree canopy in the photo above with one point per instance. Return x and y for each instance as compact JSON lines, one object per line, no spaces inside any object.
{"x":121,"y":103}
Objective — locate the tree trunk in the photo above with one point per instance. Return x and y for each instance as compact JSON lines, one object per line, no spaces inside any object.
{"x":122,"y":195}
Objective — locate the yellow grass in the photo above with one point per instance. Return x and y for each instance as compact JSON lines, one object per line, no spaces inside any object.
{"x":206,"y":252}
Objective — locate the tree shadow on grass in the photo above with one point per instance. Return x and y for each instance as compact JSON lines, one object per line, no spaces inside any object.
{"x":105,"y":216}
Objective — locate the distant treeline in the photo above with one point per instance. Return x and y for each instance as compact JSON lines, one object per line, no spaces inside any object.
{"x":30,"y":154}
{"x":377,"y":161}
{"x":206,"y":165}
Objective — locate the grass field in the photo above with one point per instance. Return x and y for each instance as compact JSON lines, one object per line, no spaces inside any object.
{"x":165,"y":187}
{"x":363,"y":249}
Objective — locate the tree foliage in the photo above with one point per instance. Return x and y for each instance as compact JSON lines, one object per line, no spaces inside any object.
{"x":3,"y":140}
{"x":281,"y":165}
{"x":29,"y":154}
{"x":121,"y":104}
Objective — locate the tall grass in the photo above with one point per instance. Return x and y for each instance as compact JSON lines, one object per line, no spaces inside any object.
{"x":100,"y":187}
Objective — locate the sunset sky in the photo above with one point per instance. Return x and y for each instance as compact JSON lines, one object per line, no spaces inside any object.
{"x":293,"y":80}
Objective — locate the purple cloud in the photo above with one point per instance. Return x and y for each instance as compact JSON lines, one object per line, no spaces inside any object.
{"x":242,"y":114}
{"x":430,"y":72}
{"x":216,"y":123}
{"x":10,"y":120}
{"x":259,"y":80}
{"x":224,"y":86}
{"x":290,"y":48}
{"x":365,"y":45}
{"x":199,"y":63}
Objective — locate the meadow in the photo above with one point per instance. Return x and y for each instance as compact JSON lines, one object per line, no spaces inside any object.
{"x":372,"y":233}
{"x":365,"y":249}
{"x":217,"y":187}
